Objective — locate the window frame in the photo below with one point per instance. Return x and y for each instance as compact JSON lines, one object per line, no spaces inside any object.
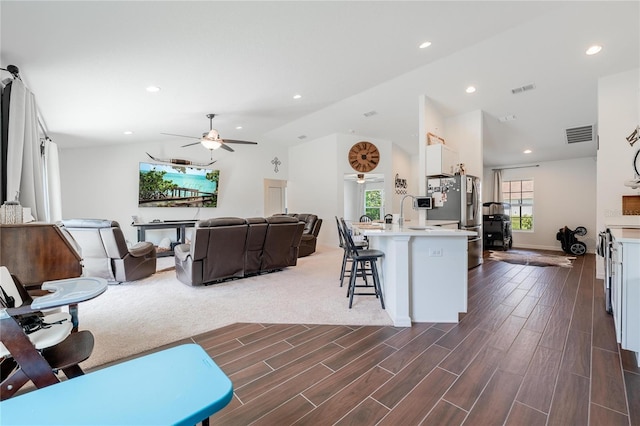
{"x":380,"y":208}
{"x":508,"y":197}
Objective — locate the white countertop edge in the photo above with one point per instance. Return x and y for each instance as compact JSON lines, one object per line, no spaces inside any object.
{"x":423,"y":231}
{"x":625,"y":235}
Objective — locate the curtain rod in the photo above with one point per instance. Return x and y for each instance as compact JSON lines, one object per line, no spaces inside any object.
{"x":13,"y":70}
{"x":517,"y":167}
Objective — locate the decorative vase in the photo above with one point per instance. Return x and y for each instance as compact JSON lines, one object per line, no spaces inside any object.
{"x":11,"y":212}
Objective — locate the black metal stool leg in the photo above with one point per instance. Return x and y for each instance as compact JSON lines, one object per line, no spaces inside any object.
{"x":352,"y":282}
{"x":376,"y":282}
{"x":344,"y":267}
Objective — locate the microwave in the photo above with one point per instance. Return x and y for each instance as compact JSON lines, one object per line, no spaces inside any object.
{"x":422,"y":203}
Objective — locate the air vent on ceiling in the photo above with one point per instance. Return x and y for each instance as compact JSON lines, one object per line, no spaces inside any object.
{"x":507,"y":118}
{"x":524,"y":88}
{"x":580,"y":134}
{"x":370,"y":113}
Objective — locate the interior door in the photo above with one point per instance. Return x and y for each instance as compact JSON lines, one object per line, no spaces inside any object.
{"x":275,"y":196}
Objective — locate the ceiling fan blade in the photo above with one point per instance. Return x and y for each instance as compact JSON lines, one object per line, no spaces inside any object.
{"x":228,"y":148}
{"x":180,"y":136}
{"x":191,"y":144}
{"x":242,"y":142}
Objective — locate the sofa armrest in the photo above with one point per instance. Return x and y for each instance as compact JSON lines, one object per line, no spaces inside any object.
{"x":182,"y":251}
{"x":142,"y":249}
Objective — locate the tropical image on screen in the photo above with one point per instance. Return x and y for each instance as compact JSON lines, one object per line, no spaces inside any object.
{"x":163,"y":185}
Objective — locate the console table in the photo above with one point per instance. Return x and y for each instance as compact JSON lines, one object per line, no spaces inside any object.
{"x":179,"y":225}
{"x":145,"y":390}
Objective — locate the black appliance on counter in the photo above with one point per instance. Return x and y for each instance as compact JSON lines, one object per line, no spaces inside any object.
{"x":496,"y":225}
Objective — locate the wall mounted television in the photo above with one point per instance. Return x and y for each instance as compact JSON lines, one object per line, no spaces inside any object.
{"x":163,"y":185}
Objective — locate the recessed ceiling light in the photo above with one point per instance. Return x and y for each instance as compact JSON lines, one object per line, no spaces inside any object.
{"x":297,"y":96}
{"x":527,"y":151}
{"x":593,"y":49}
{"x":238,"y":127}
{"x":425,"y":45}
{"x":153,"y":89}
{"x":128,"y":132}
{"x":470,"y":89}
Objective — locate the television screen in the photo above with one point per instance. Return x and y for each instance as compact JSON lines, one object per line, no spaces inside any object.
{"x":163,"y":185}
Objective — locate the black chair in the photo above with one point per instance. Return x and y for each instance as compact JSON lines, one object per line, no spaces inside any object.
{"x":359,"y":259}
{"x":365,"y":219}
{"x":344,"y":273}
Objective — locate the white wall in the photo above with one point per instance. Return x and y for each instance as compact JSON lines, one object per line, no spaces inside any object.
{"x":405,"y":167}
{"x":618,"y":115}
{"x":102,"y":182}
{"x":314,"y":177}
{"x":464,"y":133}
{"x":563,"y":195}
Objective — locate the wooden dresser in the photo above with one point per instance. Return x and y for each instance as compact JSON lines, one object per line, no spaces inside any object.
{"x":37,"y":252}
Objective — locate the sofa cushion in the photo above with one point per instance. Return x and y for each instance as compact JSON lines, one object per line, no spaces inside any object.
{"x":221,"y":221}
{"x":309,"y":222}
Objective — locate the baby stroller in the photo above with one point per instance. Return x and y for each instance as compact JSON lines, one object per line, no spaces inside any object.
{"x":570,"y":243}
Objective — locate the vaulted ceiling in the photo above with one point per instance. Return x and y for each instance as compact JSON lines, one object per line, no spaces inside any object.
{"x":89,"y":63}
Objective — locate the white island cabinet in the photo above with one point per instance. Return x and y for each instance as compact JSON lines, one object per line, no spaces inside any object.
{"x":423,"y":272}
{"x":625,"y":288}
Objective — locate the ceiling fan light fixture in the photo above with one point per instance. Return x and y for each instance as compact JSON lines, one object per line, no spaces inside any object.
{"x":210,"y":143}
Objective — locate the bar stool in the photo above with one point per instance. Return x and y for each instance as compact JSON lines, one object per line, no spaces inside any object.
{"x":359,"y":259}
{"x":344,"y":273}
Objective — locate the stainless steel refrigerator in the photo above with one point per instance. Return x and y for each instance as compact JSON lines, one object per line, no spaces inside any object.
{"x":459,"y":198}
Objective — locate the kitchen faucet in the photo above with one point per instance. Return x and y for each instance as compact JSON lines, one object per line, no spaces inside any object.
{"x":401,"y":218}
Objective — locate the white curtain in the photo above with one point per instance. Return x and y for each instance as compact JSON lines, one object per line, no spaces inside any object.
{"x":497,"y":186}
{"x":24,"y":162}
{"x":52,"y":182}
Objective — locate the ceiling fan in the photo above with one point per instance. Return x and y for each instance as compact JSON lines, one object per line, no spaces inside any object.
{"x":211,"y":139}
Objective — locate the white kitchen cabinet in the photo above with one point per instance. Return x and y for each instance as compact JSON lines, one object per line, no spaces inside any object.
{"x":625,"y":288}
{"x":441,"y":160}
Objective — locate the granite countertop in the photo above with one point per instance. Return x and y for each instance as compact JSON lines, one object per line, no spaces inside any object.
{"x":625,"y":235}
{"x":413,"y":230}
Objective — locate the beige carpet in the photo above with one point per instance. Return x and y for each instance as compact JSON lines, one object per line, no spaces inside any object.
{"x":133,"y":317}
{"x":532,"y":259}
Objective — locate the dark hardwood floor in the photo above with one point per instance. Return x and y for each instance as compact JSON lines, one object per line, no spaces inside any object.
{"x":536,"y":347}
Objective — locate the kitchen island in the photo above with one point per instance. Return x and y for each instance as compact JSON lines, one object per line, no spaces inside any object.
{"x":423,"y":272}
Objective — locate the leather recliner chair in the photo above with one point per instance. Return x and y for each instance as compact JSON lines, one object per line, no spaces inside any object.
{"x":310,"y":233}
{"x":216,"y":252}
{"x":105,"y":253}
{"x":255,"y":244}
{"x":282,"y":243}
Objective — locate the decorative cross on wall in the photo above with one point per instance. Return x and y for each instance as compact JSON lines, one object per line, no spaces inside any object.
{"x":276,"y":163}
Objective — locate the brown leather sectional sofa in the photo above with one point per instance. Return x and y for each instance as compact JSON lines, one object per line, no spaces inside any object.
{"x":232,"y":247}
{"x":312,"y":224}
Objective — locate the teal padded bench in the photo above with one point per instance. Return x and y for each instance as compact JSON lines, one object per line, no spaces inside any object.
{"x":178,"y":386}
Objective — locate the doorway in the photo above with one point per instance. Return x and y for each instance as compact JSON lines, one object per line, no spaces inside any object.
{"x":275,"y":197}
